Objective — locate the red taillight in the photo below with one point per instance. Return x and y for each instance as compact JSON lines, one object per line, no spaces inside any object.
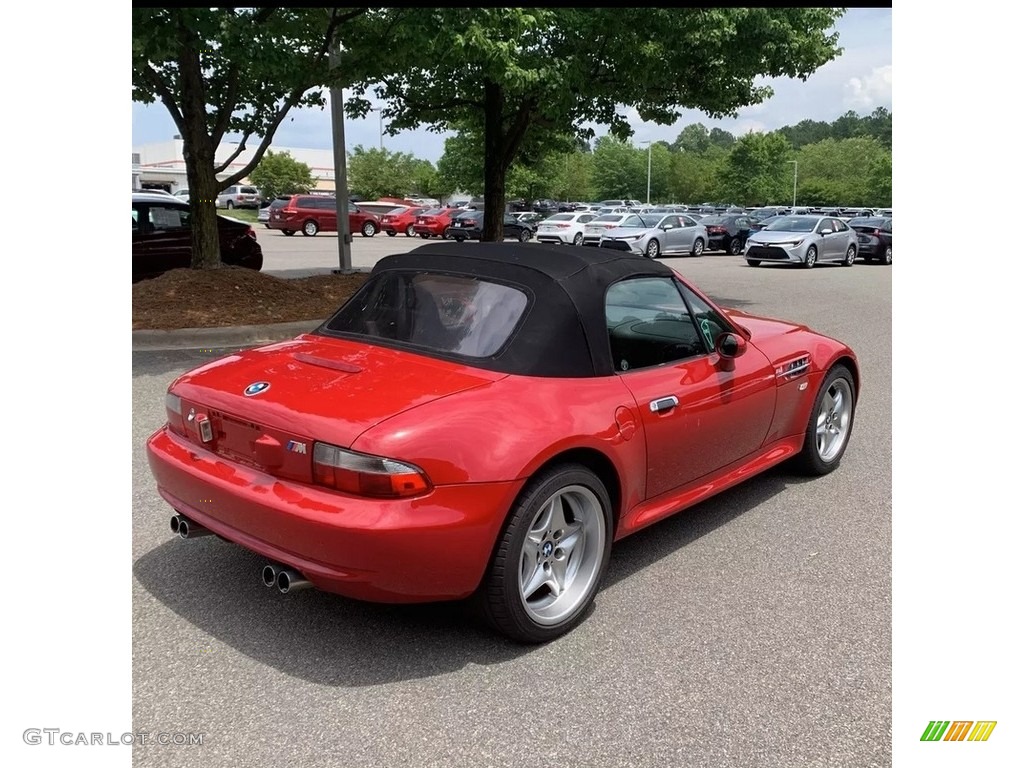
{"x":562,"y":226}
{"x":716,"y":230}
{"x":877,"y":233}
{"x":250,"y":232}
{"x":364,"y":475}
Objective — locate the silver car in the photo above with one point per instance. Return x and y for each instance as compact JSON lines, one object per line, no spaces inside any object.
{"x":804,"y":240}
{"x":659,"y":233}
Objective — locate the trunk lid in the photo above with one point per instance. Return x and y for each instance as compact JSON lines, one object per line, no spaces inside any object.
{"x":267,"y":405}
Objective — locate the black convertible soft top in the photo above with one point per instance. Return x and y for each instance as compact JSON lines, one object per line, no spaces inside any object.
{"x":563,"y":332}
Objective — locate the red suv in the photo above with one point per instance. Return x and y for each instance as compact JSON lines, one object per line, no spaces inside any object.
{"x":401,"y":219}
{"x":310,"y":214}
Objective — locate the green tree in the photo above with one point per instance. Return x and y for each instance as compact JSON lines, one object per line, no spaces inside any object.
{"x":523,"y":74}
{"x":620,"y":169}
{"x":693,"y":138}
{"x":806,"y":132}
{"x":427,"y":182}
{"x":278,"y":173}
{"x":756,"y":169}
{"x":462,"y":164}
{"x":721,"y":138}
{"x":229,"y":70}
{"x":374,"y":173}
{"x":839,"y":172}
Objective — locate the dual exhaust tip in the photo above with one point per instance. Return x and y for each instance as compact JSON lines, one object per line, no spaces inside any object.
{"x":188,"y":529}
{"x":285,"y":579}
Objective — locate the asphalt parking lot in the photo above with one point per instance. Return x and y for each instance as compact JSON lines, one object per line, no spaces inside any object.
{"x":752,"y":630}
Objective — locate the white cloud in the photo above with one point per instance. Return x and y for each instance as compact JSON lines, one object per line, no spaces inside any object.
{"x":866,"y":93}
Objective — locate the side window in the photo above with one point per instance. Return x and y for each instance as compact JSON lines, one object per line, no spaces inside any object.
{"x":169,"y":218}
{"x":839,"y":225}
{"x":687,"y":221}
{"x":649,"y":324}
{"x":135,"y":219}
{"x":825,"y":227}
{"x":709,"y":322}
{"x":584,"y":219}
{"x":632,"y":221}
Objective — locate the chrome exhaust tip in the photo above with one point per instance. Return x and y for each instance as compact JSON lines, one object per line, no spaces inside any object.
{"x":188,"y":529}
{"x":291,"y":581}
{"x":270,"y":574}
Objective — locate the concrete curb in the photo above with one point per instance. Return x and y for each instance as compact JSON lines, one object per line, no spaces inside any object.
{"x":212,"y":338}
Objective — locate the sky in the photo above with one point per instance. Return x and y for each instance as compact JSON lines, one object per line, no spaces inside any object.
{"x":860,"y":79}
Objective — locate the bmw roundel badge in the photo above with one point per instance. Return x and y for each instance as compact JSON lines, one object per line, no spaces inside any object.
{"x":256,"y":387}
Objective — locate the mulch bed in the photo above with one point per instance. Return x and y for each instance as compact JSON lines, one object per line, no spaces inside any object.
{"x":211,"y":298}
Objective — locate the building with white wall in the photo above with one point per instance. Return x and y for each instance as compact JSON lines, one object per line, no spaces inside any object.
{"x":162,"y":164}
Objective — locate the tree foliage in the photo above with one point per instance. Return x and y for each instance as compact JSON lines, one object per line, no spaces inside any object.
{"x":756,"y":168}
{"x":278,"y":174}
{"x":221,"y":71}
{"x":521,"y":75}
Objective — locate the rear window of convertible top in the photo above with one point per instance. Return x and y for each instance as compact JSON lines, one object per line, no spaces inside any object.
{"x":450,"y":314}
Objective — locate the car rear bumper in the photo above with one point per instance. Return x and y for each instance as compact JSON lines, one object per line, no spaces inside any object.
{"x":433,"y":547}
{"x":553,"y":237}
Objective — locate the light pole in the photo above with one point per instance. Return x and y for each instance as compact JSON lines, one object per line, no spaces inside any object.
{"x":648,"y":143}
{"x":380,"y":123}
{"x":794,"y":180}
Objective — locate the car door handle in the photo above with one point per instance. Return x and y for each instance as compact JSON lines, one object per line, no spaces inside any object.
{"x":666,"y":403}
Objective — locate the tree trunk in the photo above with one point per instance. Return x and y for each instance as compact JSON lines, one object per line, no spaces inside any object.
{"x":199,"y":154}
{"x":494,"y":163}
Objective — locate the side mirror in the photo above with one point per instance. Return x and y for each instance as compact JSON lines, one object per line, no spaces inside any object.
{"x":729,"y":346}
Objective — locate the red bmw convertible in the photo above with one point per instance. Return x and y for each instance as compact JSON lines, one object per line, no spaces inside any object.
{"x":484,"y":420}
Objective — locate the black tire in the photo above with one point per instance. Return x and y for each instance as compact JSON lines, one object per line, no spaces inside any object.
{"x":698,"y":247}
{"x":425,"y":235}
{"x":310,"y":228}
{"x":288,"y":232}
{"x":887,"y":256}
{"x":369,"y":229}
{"x":577,"y":239}
{"x":524,"y":235}
{"x":500,"y":598}
{"x":753,"y":263}
{"x":458,"y":239}
{"x":810,"y":460}
{"x":811,"y":258}
{"x":410,"y":232}
{"x":734,"y":247}
{"x":653,"y":249}
{"x":267,"y":226}
{"x":851,"y":256}
{"x":229,"y":205}
{"x":390,"y":233}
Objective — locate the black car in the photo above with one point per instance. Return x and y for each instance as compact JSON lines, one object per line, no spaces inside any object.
{"x":470,"y":225}
{"x":727,"y":232}
{"x":874,"y":238}
{"x":162,"y":237}
{"x":545,"y":207}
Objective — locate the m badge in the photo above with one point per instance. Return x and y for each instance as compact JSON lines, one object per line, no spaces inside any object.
{"x":296,"y":447}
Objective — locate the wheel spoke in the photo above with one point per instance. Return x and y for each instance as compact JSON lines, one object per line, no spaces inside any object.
{"x":556,"y":581}
{"x":543,"y":521}
{"x":574,"y":534}
{"x":556,"y":520}
{"x":537,"y":579}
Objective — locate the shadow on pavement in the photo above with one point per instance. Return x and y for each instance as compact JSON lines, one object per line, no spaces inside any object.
{"x":331,"y":640}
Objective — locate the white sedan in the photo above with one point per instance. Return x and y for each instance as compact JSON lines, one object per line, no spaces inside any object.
{"x":565,"y":228}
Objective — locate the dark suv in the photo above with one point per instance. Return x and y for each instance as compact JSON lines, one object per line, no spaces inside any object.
{"x":162,"y":237}
{"x":310,"y":214}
